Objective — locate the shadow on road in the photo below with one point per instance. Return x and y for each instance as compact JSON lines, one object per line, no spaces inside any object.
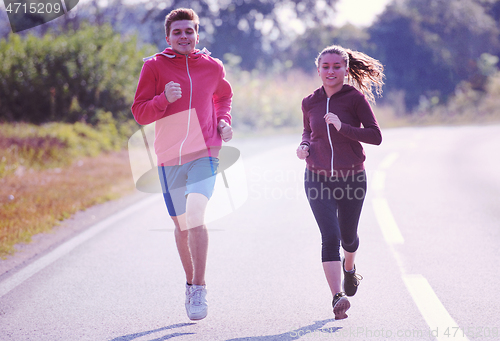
{"x":131,"y":337}
{"x":316,"y":328}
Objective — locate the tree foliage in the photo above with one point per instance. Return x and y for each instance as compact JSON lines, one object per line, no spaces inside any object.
{"x":305,"y":49}
{"x":430,"y":46}
{"x":256,"y":31}
{"x":70,"y":77}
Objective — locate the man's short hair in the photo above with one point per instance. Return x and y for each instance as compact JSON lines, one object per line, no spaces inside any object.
{"x":181,"y":14}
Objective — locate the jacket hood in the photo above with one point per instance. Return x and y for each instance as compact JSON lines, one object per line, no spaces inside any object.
{"x":169,"y":53}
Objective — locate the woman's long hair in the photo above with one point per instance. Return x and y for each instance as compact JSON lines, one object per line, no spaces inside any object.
{"x":365,"y":73}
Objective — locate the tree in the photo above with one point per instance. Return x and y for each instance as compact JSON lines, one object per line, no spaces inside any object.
{"x":430,"y":46}
{"x":256,"y":31}
{"x":306,"y":47}
{"x":68,"y":77}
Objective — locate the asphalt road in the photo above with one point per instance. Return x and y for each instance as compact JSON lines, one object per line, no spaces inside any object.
{"x":429,"y":233}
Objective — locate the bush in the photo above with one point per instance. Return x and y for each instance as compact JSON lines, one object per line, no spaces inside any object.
{"x":467,"y":105}
{"x":269,"y":101}
{"x":70,"y":77}
{"x":27,"y":146}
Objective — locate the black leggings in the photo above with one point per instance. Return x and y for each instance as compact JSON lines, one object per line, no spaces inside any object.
{"x":336,"y":203}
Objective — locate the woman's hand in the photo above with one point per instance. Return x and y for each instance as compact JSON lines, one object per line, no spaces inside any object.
{"x":331,"y":118}
{"x":302,"y":151}
{"x":225,"y":130}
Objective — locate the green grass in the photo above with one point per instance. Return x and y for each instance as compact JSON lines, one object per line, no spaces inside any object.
{"x":49,"y":172}
{"x":27,"y":146}
{"x":32,"y":202}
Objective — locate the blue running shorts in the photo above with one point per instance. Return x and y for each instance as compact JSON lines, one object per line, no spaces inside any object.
{"x":177,"y":182}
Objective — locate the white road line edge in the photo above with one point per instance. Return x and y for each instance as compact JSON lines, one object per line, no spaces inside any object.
{"x":441,"y":324}
{"x":386,"y":221}
{"x":389,"y":160}
{"x":378,"y":181}
{"x":22,"y":275}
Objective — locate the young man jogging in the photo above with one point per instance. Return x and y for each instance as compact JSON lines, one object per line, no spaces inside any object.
{"x":184,"y":91}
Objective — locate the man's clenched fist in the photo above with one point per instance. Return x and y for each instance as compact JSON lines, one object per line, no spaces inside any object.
{"x":172,"y":91}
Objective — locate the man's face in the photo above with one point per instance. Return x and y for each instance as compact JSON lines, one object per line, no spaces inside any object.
{"x":183,"y":36}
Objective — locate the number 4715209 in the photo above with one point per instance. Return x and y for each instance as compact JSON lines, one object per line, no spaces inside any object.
{"x":473,"y":332}
{"x":34,"y":8}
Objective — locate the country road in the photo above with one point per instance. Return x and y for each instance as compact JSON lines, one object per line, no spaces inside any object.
{"x":429,"y":236}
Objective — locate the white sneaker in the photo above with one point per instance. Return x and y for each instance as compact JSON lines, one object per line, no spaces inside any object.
{"x":196,"y":302}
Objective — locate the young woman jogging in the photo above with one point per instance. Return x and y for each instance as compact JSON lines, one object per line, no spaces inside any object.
{"x":337,"y":117}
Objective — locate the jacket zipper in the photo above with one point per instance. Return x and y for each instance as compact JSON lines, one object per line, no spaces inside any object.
{"x":328,"y":131}
{"x":189,"y":111}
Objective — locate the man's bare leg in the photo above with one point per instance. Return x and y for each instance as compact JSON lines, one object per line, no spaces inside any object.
{"x":198,"y":235}
{"x":182,"y":242}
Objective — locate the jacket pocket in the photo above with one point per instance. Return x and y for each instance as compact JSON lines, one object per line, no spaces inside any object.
{"x":348,"y":155}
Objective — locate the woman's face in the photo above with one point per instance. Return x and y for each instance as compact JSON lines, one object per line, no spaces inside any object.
{"x":332,"y":69}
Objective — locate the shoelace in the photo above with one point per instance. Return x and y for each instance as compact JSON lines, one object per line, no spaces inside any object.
{"x":356,"y":278}
{"x":196,"y":296}
{"x":339,"y":295}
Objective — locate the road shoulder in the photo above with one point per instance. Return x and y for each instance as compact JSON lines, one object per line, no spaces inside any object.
{"x":43,"y":243}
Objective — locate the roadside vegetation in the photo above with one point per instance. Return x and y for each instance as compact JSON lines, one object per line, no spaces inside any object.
{"x":64,"y":125}
{"x":49,"y":172}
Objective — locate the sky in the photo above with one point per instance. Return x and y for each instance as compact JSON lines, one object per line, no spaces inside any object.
{"x":359,"y":12}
